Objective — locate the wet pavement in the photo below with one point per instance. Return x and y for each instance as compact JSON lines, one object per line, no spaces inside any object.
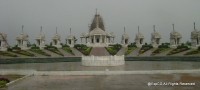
{"x":111,"y":82}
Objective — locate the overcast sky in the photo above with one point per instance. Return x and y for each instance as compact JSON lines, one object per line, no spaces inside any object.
{"x":117,"y":14}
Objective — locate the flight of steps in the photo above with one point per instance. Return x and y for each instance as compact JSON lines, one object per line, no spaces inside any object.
{"x":76,"y":52}
{"x":164,"y":53}
{"x":65,"y":53}
{"x":121,"y":51}
{"x":99,"y":51}
{"x":134,"y":52}
{"x":147,"y":53}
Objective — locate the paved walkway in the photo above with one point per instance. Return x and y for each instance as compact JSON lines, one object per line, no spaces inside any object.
{"x":76,"y":52}
{"x":121,"y":51}
{"x":52,"y":54}
{"x":66,"y":54}
{"x":99,"y":51}
{"x":134,"y":52}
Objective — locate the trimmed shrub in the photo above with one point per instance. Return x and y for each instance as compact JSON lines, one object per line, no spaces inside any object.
{"x":7,"y":54}
{"x":5,"y":79}
{"x":67,"y":49}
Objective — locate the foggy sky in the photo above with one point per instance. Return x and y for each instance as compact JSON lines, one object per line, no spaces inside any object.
{"x":117,"y":14}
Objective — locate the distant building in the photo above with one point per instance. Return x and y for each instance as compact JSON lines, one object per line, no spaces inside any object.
{"x":195,"y":37}
{"x":22,"y":40}
{"x":40,"y":40}
{"x":56,"y":40}
{"x":155,"y":38}
{"x":139,"y":39}
{"x":125,"y":38}
{"x":3,"y":42}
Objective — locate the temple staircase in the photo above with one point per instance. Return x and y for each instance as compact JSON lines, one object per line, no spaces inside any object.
{"x":99,"y":51}
{"x":134,"y":52}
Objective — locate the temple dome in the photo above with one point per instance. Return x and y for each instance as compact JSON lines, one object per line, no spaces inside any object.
{"x":97,"y":20}
{"x":139,"y":35}
{"x":56,"y":36}
{"x":97,"y":31}
{"x":40,"y":36}
{"x":70,"y":36}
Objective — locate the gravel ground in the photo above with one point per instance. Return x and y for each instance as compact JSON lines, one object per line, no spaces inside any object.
{"x":114,"y":82}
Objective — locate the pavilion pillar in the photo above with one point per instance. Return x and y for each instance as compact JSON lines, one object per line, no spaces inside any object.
{"x":81,"y":40}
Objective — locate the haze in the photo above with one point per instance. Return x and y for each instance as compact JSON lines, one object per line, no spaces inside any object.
{"x":117,"y":14}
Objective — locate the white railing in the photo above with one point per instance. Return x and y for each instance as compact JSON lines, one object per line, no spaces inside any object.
{"x":103,"y":60}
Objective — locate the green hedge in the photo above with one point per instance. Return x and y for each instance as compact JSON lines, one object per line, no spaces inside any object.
{"x":67,"y":49}
{"x":130,"y":48}
{"x":7,"y":54}
{"x":83,"y":48}
{"x":145,"y":48}
{"x":40,"y":52}
{"x":53,"y":49}
{"x":192,"y":52}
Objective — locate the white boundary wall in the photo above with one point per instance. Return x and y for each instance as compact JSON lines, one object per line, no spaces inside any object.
{"x":103,"y":60}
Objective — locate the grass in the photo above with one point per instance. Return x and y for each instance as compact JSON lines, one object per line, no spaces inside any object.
{"x":40,"y":52}
{"x":67,"y":49}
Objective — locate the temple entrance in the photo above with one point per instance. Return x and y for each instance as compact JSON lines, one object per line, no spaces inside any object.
{"x":38,"y":41}
{"x":103,"y":40}
{"x":197,"y":41}
{"x":70,"y":42}
{"x":97,"y":40}
{"x":92,"y":40}
{"x":157,"y":40}
{"x":140,"y":41}
{"x":177,"y":40}
{"x":55,"y":42}
{"x":0,"y":43}
{"x":126,"y":41}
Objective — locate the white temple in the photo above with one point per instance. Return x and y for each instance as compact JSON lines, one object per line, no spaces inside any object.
{"x":195,"y":37}
{"x":139,"y":39}
{"x":3,"y":42}
{"x":70,"y":40}
{"x":125,"y":38}
{"x":56,"y":40}
{"x":155,"y":38}
{"x":97,"y":37}
{"x":40,"y":40}
{"x":22,"y":40}
{"x":175,"y":38}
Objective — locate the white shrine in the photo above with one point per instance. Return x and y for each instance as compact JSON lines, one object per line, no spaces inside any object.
{"x":175,"y":38}
{"x":3,"y":42}
{"x":40,"y":40}
{"x":56,"y":40}
{"x":97,"y":37}
{"x":22,"y":40}
{"x":70,"y":40}
{"x":125,"y":38}
{"x":155,"y":38}
{"x":139,"y":39}
{"x":195,"y":37}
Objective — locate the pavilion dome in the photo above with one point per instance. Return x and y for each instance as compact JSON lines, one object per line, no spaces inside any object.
{"x":125,"y":36}
{"x":175,"y":34}
{"x":156,"y":35}
{"x":22,"y":36}
{"x":56,"y":36}
{"x":40,"y":36}
{"x":139,"y":35}
{"x":70,"y":36}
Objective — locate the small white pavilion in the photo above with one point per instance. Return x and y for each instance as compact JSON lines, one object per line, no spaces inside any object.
{"x":3,"y":42}
{"x":70,"y":40}
{"x":22,"y":40}
{"x":56,"y":40}
{"x":125,"y":38}
{"x":155,"y":38}
{"x":139,"y":39}
{"x":40,"y":40}
{"x":175,"y":38}
{"x":195,"y":37}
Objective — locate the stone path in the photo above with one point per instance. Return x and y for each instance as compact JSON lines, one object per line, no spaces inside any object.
{"x":134,"y":52}
{"x":65,"y":53}
{"x":36,"y":54}
{"x":52,"y":54}
{"x":147,"y":53}
{"x":181,"y":53}
{"x":99,"y":51}
{"x":164,"y":53}
{"x":121,"y":51}
{"x":76,"y":52}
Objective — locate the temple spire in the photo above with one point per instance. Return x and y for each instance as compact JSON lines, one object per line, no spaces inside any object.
{"x":96,"y":11}
{"x":22,"y":28}
{"x":41,"y":29}
{"x":173,"y":26}
{"x":194,"y":25}
{"x":70,"y":30}
{"x":124,"y":30}
{"x":154,"y":28}
{"x":138,"y":29}
{"x":56,"y":30}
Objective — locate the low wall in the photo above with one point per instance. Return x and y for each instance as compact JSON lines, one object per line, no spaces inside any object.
{"x":103,"y":60}
{"x":78,"y":59}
